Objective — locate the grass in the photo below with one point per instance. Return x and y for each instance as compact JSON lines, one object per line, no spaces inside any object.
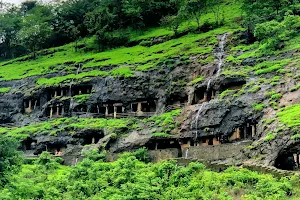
{"x":5,"y":89}
{"x":258,"y":107}
{"x":290,"y":116}
{"x":270,"y":66}
{"x":269,"y":137}
{"x":68,"y":125}
{"x":159,"y":135}
{"x":165,"y":122}
{"x":82,"y":98}
{"x":226,"y":93}
{"x":197,"y":80}
{"x":124,"y":60}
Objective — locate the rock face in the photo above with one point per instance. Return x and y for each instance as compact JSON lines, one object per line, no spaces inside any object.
{"x":215,"y":111}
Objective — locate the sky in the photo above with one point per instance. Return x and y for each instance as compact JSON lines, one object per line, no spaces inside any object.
{"x":13,"y":1}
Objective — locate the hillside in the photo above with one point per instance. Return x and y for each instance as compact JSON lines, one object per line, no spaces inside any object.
{"x":224,"y":92}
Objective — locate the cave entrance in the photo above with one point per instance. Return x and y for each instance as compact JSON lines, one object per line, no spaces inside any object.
{"x":159,"y":144}
{"x":58,"y":92}
{"x":199,"y":96}
{"x":287,"y":161}
{"x":289,"y":157}
{"x":80,"y":109}
{"x":91,"y":137}
{"x":143,"y":107}
{"x":56,"y":110}
{"x":79,"y":90}
{"x":209,"y":140}
{"x":202,"y":95}
{"x":176,"y":102}
{"x":237,"y":85}
{"x":31,"y":104}
{"x":56,"y":149}
{"x":29,"y":144}
{"x":97,"y":109}
{"x":247,"y":131}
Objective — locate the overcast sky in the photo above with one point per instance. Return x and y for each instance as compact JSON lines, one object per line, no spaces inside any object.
{"x":13,"y":1}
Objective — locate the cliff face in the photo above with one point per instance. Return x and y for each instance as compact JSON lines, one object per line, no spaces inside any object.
{"x":224,"y":94}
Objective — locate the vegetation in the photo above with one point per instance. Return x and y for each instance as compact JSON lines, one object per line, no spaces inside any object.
{"x":10,"y":158}
{"x":290,"y":116}
{"x":165,"y":122}
{"x":70,"y":126}
{"x":4,"y":90}
{"x":258,"y":107}
{"x":131,"y":178}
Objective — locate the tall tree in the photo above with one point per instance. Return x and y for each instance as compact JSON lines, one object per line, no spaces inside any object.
{"x":10,"y":158}
{"x":194,"y":9}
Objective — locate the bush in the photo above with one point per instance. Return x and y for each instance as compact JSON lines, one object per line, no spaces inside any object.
{"x":108,"y":40}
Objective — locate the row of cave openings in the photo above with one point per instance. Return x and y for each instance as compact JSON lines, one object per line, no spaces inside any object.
{"x":246,"y":132}
{"x":30,"y":146}
{"x":143,"y":108}
{"x":206,"y":94}
{"x":32,"y":104}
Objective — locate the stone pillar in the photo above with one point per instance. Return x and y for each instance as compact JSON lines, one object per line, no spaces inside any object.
{"x":212,"y":94}
{"x":205,"y":97}
{"x":189,"y":143}
{"x":156,"y":145}
{"x":62,"y":110}
{"x":57,"y":110}
{"x":106,"y":110}
{"x":55,"y":94}
{"x":139,"y":107}
{"x":51,"y":111}
{"x":253,"y":130}
{"x":115,"y":111}
{"x":245,"y":132}
{"x":29,"y":105}
{"x":93,"y":140}
{"x":35,"y":102}
{"x":98,"y":110}
{"x":238,"y":136}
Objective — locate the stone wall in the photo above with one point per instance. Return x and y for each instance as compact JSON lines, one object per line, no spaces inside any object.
{"x":163,"y":154}
{"x":214,"y":152}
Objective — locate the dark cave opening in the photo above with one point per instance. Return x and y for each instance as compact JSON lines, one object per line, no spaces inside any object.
{"x":237,"y":85}
{"x":159,"y":144}
{"x":289,"y":158}
{"x":287,"y":162}
{"x":79,"y":90}
{"x":29,"y":144}
{"x":199,"y":96}
{"x":91,"y":137}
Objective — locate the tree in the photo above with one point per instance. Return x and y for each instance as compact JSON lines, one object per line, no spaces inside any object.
{"x":216,"y":7}
{"x":172,"y":22}
{"x":194,"y":9}
{"x":10,"y":24}
{"x":36,"y":30}
{"x":34,"y":35}
{"x":10,"y":158}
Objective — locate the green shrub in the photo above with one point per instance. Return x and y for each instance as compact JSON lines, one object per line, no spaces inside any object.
{"x":290,"y":115}
{"x":270,"y":137}
{"x":258,"y":107}
{"x":5,"y":90}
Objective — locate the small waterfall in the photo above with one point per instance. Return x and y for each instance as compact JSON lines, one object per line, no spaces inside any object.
{"x":220,"y":54}
{"x":186,"y":153}
{"x":194,"y":123}
{"x":208,"y":84}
